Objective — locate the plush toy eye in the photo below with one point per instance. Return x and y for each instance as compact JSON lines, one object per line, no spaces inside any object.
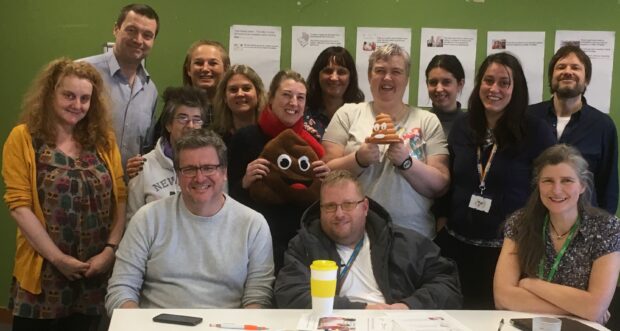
{"x":383,"y":126}
{"x":304,"y":163}
{"x":375,"y":127}
{"x":284,"y":161}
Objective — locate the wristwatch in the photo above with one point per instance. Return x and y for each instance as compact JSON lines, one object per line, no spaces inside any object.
{"x":113,"y":246}
{"x":406,"y":164}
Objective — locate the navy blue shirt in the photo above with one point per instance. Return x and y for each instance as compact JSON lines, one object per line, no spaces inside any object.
{"x":594,"y":134}
{"x":508,"y":182}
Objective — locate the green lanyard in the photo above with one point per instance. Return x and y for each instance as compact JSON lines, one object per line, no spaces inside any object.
{"x":558,"y":257}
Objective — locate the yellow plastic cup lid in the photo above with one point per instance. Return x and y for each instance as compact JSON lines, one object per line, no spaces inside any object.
{"x":323,"y":265}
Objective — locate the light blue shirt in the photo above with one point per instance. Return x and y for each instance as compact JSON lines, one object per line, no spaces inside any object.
{"x":133,"y":110}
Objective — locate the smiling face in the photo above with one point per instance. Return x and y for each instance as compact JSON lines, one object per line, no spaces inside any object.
{"x":496,"y":90}
{"x":443,"y":89}
{"x":72,"y":100}
{"x":343,"y":227}
{"x":201,"y":193}
{"x":134,"y":38}
{"x":177,"y":128}
{"x":388,"y":79}
{"x":569,"y":77}
{"x":289,"y":102}
{"x":290,"y":177}
{"x":206,"y":67}
{"x":241,"y":95}
{"x":334,"y":80}
{"x":560,"y":189}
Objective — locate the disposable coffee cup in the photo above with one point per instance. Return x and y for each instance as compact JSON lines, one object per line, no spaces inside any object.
{"x":546,"y":324}
{"x":323,"y":275}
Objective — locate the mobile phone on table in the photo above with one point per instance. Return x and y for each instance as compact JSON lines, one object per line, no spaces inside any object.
{"x":177,"y":319}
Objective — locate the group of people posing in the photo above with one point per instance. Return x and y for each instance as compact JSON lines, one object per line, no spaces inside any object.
{"x":507,"y":205}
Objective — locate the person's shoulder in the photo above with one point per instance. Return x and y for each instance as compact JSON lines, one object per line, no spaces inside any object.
{"x":539,"y":109}
{"x":99,"y":60}
{"x":242,"y":212}
{"x":599,"y":116}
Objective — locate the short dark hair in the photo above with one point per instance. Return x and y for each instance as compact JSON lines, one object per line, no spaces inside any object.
{"x":510,"y":128}
{"x":565,"y":51}
{"x":339,"y":56}
{"x":449,"y":63}
{"x":199,"y":139}
{"x":141,"y":9}
{"x":181,"y":96}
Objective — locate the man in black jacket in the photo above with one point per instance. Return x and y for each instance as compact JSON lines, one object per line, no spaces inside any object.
{"x":382,"y":266}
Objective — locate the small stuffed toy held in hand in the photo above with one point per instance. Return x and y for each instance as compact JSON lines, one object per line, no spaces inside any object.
{"x":290,"y":178}
{"x":383,"y":131}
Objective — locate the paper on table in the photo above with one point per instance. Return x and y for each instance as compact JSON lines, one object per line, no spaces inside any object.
{"x":345,"y":323}
{"x":429,"y":320}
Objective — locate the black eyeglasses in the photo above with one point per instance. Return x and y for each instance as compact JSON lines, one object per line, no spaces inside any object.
{"x":346,"y":206}
{"x":184,"y":120}
{"x":205,"y":169}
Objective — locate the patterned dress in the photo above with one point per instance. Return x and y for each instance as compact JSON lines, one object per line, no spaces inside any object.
{"x":76,"y":199}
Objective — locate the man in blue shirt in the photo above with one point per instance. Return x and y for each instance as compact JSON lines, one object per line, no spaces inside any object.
{"x":133,"y":93}
{"x":576,"y":123}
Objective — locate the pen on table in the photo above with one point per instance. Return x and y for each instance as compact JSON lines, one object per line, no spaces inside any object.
{"x":501,"y":325}
{"x":238,"y":326}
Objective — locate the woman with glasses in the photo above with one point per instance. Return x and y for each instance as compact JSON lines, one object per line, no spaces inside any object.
{"x":284,"y":110}
{"x":184,"y":110}
{"x":492,"y":149}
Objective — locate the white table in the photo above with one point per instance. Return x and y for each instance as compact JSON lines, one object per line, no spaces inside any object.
{"x":286,"y":319}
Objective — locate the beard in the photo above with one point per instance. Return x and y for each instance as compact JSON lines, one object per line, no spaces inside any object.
{"x":567,"y":92}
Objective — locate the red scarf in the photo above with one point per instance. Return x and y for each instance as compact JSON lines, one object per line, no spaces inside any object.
{"x":271,"y":126}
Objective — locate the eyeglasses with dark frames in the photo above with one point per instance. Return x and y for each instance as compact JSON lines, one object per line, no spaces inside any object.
{"x":184,"y":120}
{"x":346,"y":206}
{"x":205,"y":169}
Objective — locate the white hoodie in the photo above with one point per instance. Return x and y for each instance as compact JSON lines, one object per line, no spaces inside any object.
{"x":156,"y":180}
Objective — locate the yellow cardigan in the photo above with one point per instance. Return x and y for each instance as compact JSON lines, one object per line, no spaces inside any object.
{"x":20,"y":178}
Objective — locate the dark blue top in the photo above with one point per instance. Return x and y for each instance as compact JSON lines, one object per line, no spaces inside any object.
{"x":508,"y":182}
{"x":594,"y":134}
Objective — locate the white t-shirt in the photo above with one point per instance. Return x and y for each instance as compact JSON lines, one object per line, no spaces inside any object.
{"x":360,"y":284}
{"x":383,"y":182}
{"x":562,"y":122}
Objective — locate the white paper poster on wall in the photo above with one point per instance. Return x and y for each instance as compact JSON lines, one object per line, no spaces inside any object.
{"x":529,"y":48}
{"x":368,"y":39}
{"x":458,"y":42}
{"x":258,"y":47}
{"x":599,"y":45}
{"x":309,"y":41}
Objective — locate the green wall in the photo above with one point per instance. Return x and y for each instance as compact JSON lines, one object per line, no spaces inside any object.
{"x":32,"y":32}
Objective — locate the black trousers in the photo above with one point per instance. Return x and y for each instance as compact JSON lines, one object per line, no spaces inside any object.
{"x":476,"y":269}
{"x":75,"y":322}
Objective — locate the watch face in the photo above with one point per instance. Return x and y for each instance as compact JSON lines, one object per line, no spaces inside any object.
{"x":406,"y":164}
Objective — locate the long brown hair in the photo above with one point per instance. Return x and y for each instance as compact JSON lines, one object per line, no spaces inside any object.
{"x":93,"y":130}
{"x":528,"y":226}
{"x":223,"y":121}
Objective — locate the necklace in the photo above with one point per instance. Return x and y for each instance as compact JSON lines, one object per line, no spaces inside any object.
{"x":558,"y":236}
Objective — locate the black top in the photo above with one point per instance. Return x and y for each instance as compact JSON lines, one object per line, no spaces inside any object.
{"x":594,"y":134}
{"x":508,"y":183}
{"x":447,"y":118}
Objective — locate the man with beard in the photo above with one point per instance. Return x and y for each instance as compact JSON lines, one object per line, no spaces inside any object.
{"x":576,"y":123}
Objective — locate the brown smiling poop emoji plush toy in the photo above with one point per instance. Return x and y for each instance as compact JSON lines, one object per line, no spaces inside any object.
{"x":290,"y":178}
{"x":383,"y":131}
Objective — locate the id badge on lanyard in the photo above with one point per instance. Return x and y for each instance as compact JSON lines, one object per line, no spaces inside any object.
{"x":482,"y":202}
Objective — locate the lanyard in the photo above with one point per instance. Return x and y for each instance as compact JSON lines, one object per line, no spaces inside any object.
{"x":345,"y":270}
{"x":558,"y":257}
{"x":484,"y":172}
